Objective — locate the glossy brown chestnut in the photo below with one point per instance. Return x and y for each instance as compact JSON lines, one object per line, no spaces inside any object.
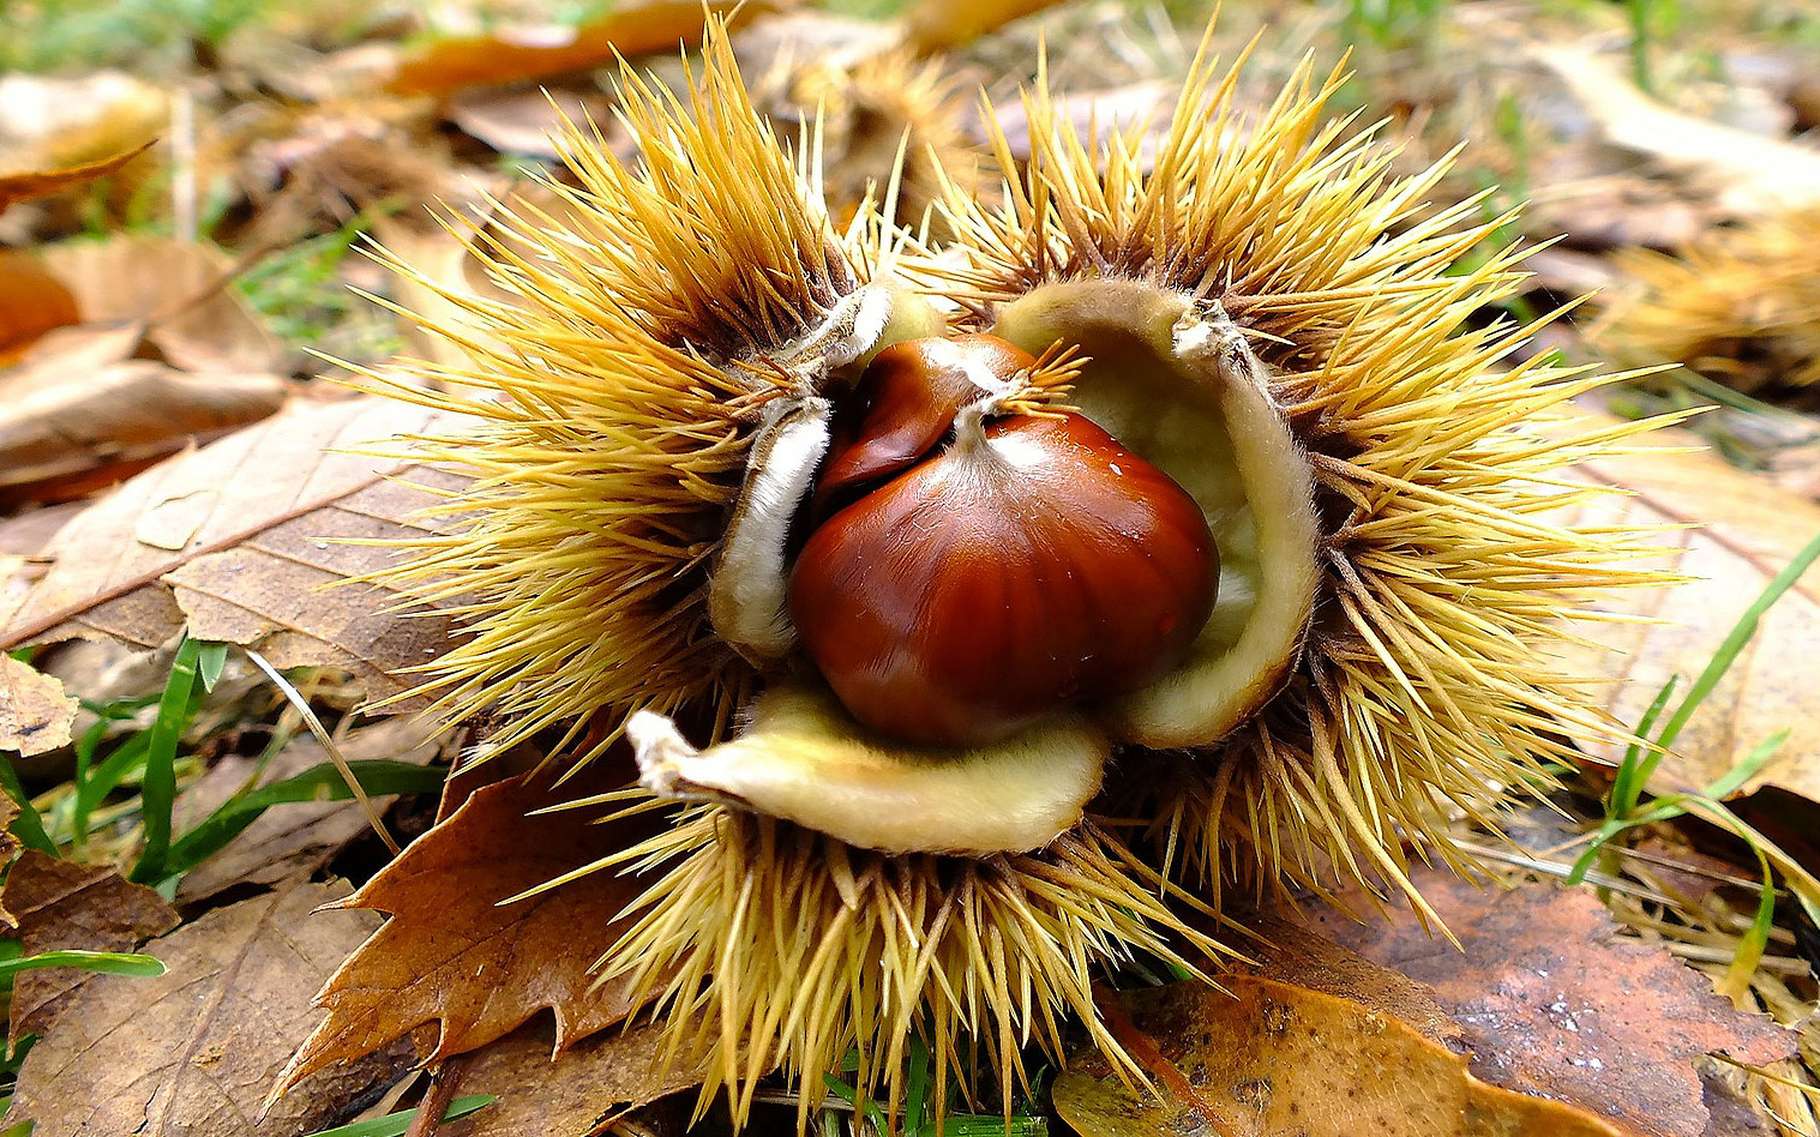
{"x":1031,"y":564}
{"x":905,"y":403}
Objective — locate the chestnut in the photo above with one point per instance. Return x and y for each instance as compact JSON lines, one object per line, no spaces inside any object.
{"x":1028,"y":564}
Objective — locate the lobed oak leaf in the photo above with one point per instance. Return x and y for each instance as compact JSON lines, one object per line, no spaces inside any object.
{"x":452,"y":954}
{"x":62,"y":905}
{"x":241,"y":540}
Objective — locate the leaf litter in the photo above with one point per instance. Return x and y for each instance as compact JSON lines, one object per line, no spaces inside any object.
{"x":137,"y":351}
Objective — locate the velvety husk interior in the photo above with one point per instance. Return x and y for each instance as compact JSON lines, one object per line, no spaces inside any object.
{"x":1182,"y":389}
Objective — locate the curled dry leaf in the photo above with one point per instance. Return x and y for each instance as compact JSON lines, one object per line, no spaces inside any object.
{"x":1551,"y":1000}
{"x":1271,"y":1059}
{"x":77,"y":409}
{"x":191,"y":1053}
{"x":1734,"y":532}
{"x":1747,"y":174}
{"x":57,"y":124}
{"x":516,"y":54}
{"x":524,"y":122}
{"x":32,"y":302}
{"x":29,"y":184}
{"x":178,"y":289}
{"x":454,"y":955}
{"x":35,"y":713}
{"x":581,"y":1091}
{"x":940,"y":25}
{"x":61,"y":905}
{"x":243,"y":540}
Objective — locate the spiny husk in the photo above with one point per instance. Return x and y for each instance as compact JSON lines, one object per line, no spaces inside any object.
{"x":886,"y":103}
{"x":1741,"y":306}
{"x":615,"y":402}
{"x":1426,"y":684}
{"x":766,"y":945}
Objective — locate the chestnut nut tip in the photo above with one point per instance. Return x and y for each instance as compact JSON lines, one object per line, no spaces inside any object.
{"x":991,"y":570}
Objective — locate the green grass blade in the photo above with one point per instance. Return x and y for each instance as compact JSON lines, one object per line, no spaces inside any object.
{"x":128,"y":757}
{"x":916,"y":1089}
{"x":1627,"y":787}
{"x":318,"y":783}
{"x":1755,"y":940}
{"x":103,"y":962}
{"x":210,"y":662}
{"x":972,"y":1125}
{"x":159,"y":790}
{"x":1746,"y":768}
{"x":394,"y":1124}
{"x":28,"y":826}
{"x":1734,"y":642}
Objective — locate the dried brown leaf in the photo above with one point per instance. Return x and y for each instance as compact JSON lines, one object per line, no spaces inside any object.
{"x":62,"y":905}
{"x":525,"y":122}
{"x":1747,"y":174}
{"x":453,"y":955}
{"x":178,"y":289}
{"x":1741,"y":532}
{"x":42,"y":183}
{"x":1289,"y":953}
{"x":35,"y":713}
{"x":299,"y":837}
{"x":77,"y":407}
{"x":32,"y":302}
{"x":515,"y":54}
{"x":576,"y":1093}
{"x":243,"y":539}
{"x":191,"y":1054}
{"x":1272,"y":1059}
{"x":1551,"y":1000}
{"x":941,"y":25}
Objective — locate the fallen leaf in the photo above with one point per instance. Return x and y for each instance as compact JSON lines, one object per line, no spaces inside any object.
{"x":942,"y":25}
{"x":61,"y":905}
{"x":35,"y":713}
{"x":1741,"y":531}
{"x":1270,"y":1059}
{"x":190,"y":1054}
{"x":42,"y":183}
{"x":178,"y":289}
{"x":32,"y":302}
{"x":296,"y":838}
{"x":1551,"y":1000}
{"x":25,"y":534}
{"x":64,"y":124}
{"x":577,"y":1093}
{"x":9,"y":850}
{"x":453,"y":955}
{"x":76,"y":405}
{"x":524,"y":121}
{"x":1746,"y":174}
{"x":517,"y":53}
{"x":260,"y":515}
{"x":1290,"y":953}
